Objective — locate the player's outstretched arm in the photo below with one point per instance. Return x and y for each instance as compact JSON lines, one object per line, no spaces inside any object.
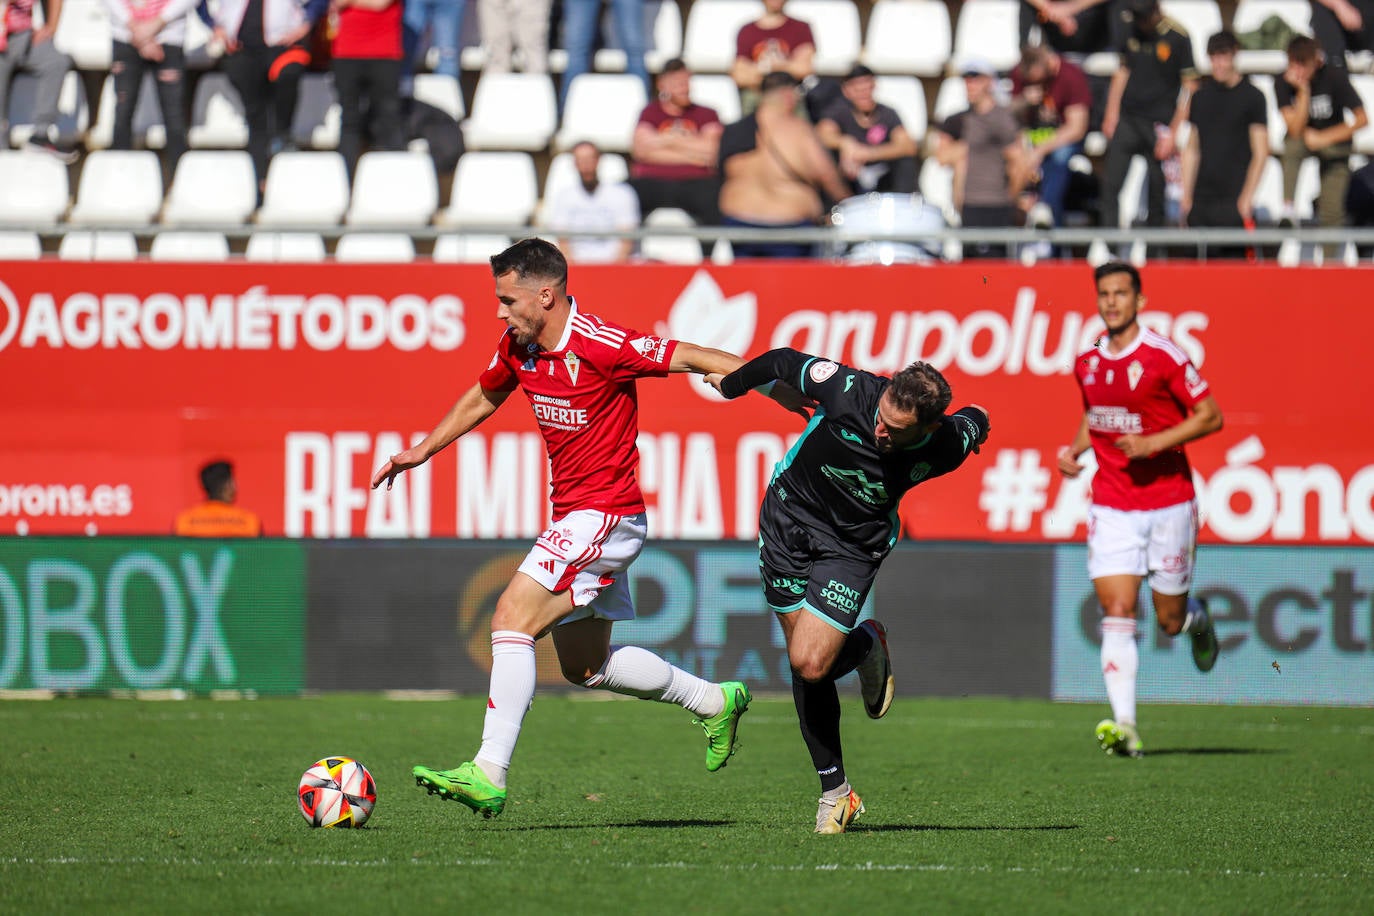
{"x":717,"y":364}
{"x":984,"y":430}
{"x":471,"y":409}
{"x":1068,"y":454}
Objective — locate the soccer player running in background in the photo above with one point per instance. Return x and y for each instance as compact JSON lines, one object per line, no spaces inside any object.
{"x":829,"y":519}
{"x":578,"y":372}
{"x":1143,"y":400}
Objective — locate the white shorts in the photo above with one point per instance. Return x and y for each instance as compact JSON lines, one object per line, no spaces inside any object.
{"x":587,"y":553}
{"x":1160,"y":543}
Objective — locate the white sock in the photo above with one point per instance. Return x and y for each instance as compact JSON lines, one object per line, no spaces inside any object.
{"x":1197,"y":618}
{"x":512,"y":690}
{"x":1120,"y":659}
{"x":636,"y":672}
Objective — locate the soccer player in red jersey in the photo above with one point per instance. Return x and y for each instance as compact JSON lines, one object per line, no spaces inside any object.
{"x":1143,"y":400}
{"x":578,"y":372}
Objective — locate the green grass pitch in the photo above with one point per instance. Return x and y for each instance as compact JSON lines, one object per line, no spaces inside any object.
{"x":974,"y":806}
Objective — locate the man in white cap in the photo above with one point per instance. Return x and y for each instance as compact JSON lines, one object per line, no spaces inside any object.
{"x":983,"y":145}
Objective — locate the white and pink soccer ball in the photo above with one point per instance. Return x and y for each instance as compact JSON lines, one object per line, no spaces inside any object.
{"x":337,"y":792}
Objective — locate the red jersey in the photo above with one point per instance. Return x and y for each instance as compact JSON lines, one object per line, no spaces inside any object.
{"x":583,"y":395}
{"x":1146,"y":388}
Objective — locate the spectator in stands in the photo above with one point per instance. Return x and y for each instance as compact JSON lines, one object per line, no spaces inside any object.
{"x":874,"y":150}
{"x":773,"y":42}
{"x":218,"y":517}
{"x":23,"y":47}
{"x":582,"y":25}
{"x":436,"y":24}
{"x":508,"y":25}
{"x":775,"y":172}
{"x":590,"y":205}
{"x":674,"y":150}
{"x":1052,"y":102}
{"x":266,"y":44}
{"x":983,"y":146}
{"x":366,"y":61}
{"x":1146,"y":105}
{"x":1343,"y":25}
{"x":1227,"y":147}
{"x":1313,"y":97}
{"x":148,"y":39}
{"x":1079,"y":27}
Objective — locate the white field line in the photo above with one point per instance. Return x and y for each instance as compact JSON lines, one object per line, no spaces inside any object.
{"x":935,"y":867}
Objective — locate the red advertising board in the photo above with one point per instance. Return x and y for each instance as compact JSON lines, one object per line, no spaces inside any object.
{"x":120,"y":380}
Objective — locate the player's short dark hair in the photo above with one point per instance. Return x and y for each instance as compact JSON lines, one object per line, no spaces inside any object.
{"x":920,"y":389}
{"x":778,"y":79}
{"x":1118,"y":267}
{"x":215,"y":476}
{"x":532,"y":258}
{"x":1303,"y":49}
{"x":1223,"y":42}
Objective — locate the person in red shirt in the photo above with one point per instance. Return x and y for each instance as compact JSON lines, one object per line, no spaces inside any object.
{"x":1143,"y":400}
{"x":774,"y":41}
{"x":367,"y":59}
{"x":578,"y":372}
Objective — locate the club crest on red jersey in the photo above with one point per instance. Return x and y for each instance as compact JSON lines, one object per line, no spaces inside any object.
{"x":1134,"y":372}
{"x":574,"y":365}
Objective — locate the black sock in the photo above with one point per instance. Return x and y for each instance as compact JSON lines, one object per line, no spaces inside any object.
{"x":852,"y":651}
{"x":818,"y":712}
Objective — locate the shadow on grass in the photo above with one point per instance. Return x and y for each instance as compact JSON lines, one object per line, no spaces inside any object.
{"x":897,"y":828}
{"x":655,"y":824}
{"x":1208,"y":751}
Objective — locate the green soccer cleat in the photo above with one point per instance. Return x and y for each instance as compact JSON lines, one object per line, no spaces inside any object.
{"x":876,"y":684}
{"x":1119,"y":738}
{"x":835,"y":814}
{"x":720,"y":729}
{"x":1205,"y":648}
{"x":465,"y":784}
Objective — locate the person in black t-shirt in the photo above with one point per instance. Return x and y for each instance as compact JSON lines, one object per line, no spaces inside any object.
{"x":1313,"y":98}
{"x":1228,"y":145}
{"x":872,"y":147}
{"x":829,"y":519}
{"x":1341,"y":25}
{"x":1146,"y":105}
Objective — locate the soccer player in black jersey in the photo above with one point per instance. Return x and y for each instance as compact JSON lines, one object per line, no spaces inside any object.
{"x":829,"y":519}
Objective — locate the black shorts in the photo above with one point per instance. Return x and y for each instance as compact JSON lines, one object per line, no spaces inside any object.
{"x":807,"y":568}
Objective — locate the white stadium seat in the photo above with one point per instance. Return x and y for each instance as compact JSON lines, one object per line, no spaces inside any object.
{"x":468,"y":249}
{"x":989,"y":30}
{"x":285,"y":246}
{"x":708,"y":40}
{"x":907,"y":97}
{"x":84,"y":33}
{"x":106,"y":245}
{"x":936,"y":184}
{"x":495,"y":189}
{"x":20,"y":246}
{"x":602,"y":108}
{"x":375,"y":248}
{"x":118,"y":187}
{"x":716,"y":91}
{"x":304,"y":188}
{"x":512,"y":111}
{"x":212,"y":187}
{"x":33,"y":188}
{"x":1277,"y":130}
{"x":908,"y":37}
{"x":189,"y":246}
{"x":217,"y":119}
{"x":73,"y":112}
{"x":670,"y":249}
{"x":148,"y":129}
{"x":835,"y":26}
{"x":393,"y":189}
{"x":951,"y":98}
{"x":1268,"y":202}
{"x":318,"y":113}
{"x":441,"y":91}
{"x":1364,"y":138}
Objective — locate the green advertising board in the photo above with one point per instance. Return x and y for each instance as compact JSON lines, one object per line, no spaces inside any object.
{"x":100,"y":614}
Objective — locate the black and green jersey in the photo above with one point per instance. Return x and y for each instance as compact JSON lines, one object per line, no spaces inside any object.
{"x":834,"y":477}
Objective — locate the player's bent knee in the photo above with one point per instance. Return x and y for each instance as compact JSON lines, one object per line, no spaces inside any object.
{"x":813,"y":670}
